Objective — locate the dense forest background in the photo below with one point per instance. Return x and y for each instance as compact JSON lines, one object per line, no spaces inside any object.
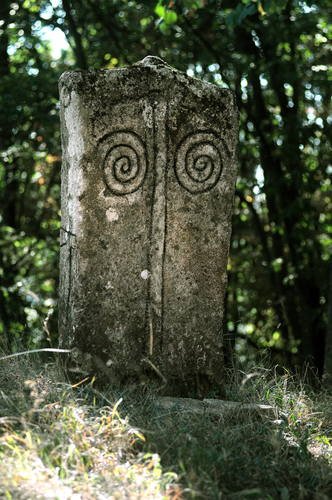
{"x":274,"y":55}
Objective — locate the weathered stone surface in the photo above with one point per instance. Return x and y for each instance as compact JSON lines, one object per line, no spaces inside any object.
{"x":147,"y":193}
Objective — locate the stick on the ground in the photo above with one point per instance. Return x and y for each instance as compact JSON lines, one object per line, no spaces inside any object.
{"x":46,"y":349}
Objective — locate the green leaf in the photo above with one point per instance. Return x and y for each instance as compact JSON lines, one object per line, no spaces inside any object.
{"x":170,"y":17}
{"x":277,"y":264}
{"x":167,"y":15}
{"x":164,"y":28}
{"x":160,"y":10}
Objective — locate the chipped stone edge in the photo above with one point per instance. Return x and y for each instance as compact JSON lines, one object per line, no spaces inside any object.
{"x":73,"y":79}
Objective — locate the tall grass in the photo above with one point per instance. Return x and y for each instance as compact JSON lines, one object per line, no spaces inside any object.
{"x":75,"y":442}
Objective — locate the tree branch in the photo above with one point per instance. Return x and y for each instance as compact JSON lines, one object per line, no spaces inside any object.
{"x":78,"y":49}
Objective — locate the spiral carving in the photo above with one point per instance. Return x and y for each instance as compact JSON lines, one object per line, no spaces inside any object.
{"x":124,"y":162}
{"x":198,"y":163}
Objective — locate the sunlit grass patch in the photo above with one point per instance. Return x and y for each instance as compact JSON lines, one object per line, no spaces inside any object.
{"x":64,"y":444}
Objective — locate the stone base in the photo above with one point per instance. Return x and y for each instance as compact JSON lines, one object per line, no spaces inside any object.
{"x":216,"y":407}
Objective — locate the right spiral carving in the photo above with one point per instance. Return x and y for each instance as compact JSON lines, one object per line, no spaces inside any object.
{"x":198,"y":163}
{"x":124,"y":162}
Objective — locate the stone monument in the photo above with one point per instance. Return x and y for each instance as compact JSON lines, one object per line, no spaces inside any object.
{"x":148,"y":178}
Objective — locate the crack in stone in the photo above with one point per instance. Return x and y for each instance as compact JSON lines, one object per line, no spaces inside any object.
{"x":158,"y":227}
{"x":67,"y":231}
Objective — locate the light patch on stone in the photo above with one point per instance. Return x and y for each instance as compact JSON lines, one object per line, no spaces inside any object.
{"x":109,"y":286}
{"x":73,"y":118}
{"x":112,"y":215}
{"x":133,"y":198}
{"x":145,"y":274}
{"x":108,"y":333}
{"x":147,"y":114}
{"x":75,"y":151}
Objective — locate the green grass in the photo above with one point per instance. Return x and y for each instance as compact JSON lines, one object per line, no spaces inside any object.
{"x":65,"y":442}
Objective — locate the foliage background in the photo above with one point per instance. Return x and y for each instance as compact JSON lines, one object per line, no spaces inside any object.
{"x":274,"y":56}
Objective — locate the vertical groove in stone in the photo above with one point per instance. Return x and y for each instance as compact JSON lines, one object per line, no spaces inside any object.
{"x":158,"y":227}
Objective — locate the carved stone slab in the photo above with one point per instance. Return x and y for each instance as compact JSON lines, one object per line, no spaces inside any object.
{"x":147,"y":192}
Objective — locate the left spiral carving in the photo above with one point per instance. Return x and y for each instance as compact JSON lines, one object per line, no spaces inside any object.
{"x":124,"y":162}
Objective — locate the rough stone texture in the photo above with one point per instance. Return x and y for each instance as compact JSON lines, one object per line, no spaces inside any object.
{"x":147,"y":194}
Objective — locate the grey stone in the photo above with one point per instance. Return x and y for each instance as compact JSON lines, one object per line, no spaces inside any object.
{"x":147,"y":193}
